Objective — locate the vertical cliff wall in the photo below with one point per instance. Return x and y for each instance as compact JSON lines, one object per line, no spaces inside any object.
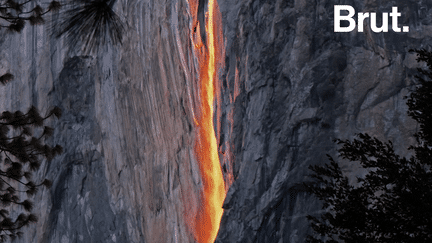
{"x":290,"y":86}
{"x":128,"y":172}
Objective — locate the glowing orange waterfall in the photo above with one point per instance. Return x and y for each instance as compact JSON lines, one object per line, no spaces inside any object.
{"x":210,"y":211}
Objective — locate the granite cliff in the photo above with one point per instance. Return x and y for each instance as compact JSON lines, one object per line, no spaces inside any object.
{"x":289,"y":85}
{"x":128,"y":172}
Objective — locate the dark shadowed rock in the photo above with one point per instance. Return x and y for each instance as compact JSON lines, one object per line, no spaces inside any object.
{"x":289,"y":86}
{"x":293,"y":86}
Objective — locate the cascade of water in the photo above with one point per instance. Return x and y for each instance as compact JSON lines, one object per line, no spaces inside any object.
{"x":210,"y":212}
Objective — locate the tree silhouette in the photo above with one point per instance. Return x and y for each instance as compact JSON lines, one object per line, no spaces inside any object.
{"x":22,"y":135}
{"x":21,"y":152}
{"x":86,"y":23}
{"x":15,"y":14}
{"x":393,"y":201}
{"x":90,"y":24}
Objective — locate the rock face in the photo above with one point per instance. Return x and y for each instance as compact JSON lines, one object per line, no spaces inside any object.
{"x":128,"y":172}
{"x":290,"y":85}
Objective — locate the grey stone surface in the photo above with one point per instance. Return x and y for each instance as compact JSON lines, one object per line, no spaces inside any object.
{"x":128,"y":172}
{"x":289,"y":86}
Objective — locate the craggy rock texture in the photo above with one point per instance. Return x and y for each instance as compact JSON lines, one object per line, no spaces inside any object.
{"x":290,"y":86}
{"x":128,"y":172}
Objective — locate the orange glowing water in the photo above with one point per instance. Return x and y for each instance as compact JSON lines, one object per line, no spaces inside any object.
{"x":210,"y":211}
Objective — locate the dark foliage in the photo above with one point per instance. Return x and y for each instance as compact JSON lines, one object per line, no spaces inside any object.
{"x":15,"y":13}
{"x":90,"y":24}
{"x":420,"y":100}
{"x":22,"y":150}
{"x":393,"y":202}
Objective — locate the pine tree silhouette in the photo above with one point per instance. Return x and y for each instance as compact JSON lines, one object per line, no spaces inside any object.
{"x":15,"y":14}
{"x":22,"y":135}
{"x":22,"y":150}
{"x":90,"y":25}
{"x":393,"y":202}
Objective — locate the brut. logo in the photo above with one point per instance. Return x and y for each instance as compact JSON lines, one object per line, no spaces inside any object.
{"x":362,"y":16}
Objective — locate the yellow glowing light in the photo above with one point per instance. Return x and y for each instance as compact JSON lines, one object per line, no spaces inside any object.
{"x":210,"y":213}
